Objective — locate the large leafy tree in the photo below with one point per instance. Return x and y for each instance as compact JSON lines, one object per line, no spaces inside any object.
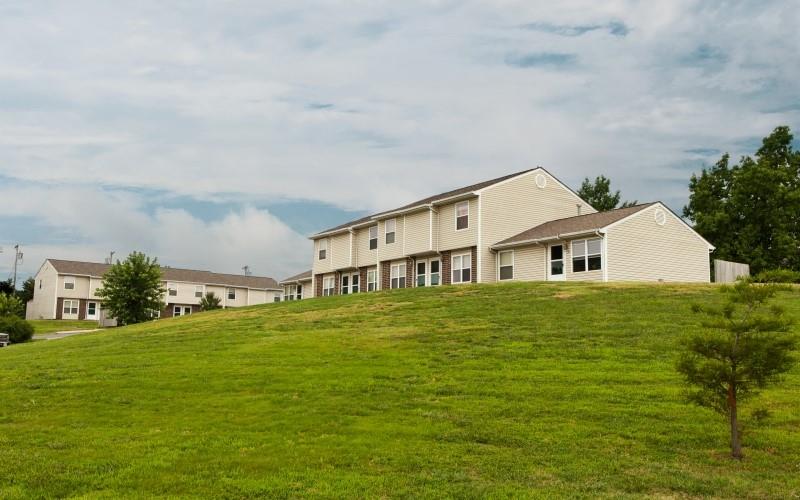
{"x":132,"y":289}
{"x":6,"y":287}
{"x":26,"y":294}
{"x":598,"y":194}
{"x":745,"y":345}
{"x":751,"y":210}
{"x":10,"y":306}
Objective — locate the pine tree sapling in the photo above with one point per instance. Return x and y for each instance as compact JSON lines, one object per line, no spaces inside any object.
{"x":132,"y":289}
{"x":210,"y":302}
{"x":745,"y":345}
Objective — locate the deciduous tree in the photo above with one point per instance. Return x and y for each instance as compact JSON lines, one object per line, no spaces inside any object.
{"x":132,"y":289}
{"x":598,"y":194}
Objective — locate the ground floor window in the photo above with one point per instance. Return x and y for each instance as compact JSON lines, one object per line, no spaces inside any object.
{"x":587,"y":255}
{"x":91,"y":309}
{"x":462,"y":268}
{"x":372,"y":280}
{"x":328,"y":286}
{"x":506,"y":263}
{"x":289,"y":292}
{"x":71,"y":307}
{"x":299,"y":292}
{"x":398,"y":276}
{"x":350,"y":283}
{"x":428,"y":272}
{"x":181,"y":310}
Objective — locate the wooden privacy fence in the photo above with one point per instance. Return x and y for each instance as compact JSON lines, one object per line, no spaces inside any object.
{"x":728,"y":272}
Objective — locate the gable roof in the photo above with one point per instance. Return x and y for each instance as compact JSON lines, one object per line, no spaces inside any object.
{"x":425,"y":201}
{"x":579,"y":224}
{"x":297,"y":277}
{"x":97,"y":270}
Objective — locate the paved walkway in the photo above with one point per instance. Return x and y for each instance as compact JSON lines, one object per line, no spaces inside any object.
{"x":61,"y":335}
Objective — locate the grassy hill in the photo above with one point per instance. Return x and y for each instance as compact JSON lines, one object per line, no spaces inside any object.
{"x":543,"y":390}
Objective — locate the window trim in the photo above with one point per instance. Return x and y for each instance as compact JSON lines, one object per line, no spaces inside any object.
{"x":586,"y":254}
{"x":437,"y":273}
{"x":461,"y":274}
{"x":228,"y":293}
{"x":69,"y":280}
{"x":74,"y":305}
{"x":199,"y":289}
{"x":371,"y":239}
{"x":328,"y":291}
{"x":322,"y":253}
{"x":172,"y":287}
{"x":400,"y":276}
{"x":500,"y":265}
{"x":393,"y":232}
{"x":455,"y":213}
{"x":374,"y":282}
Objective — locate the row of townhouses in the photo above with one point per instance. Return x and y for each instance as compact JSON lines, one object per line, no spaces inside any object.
{"x":66,"y":289}
{"x":526,"y":226}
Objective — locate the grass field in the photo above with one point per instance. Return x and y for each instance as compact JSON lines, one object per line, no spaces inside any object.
{"x":60,"y":325}
{"x":535,"y":390}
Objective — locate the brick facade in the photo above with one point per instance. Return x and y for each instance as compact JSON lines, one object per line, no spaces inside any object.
{"x":474,"y":267}
{"x":410,"y":271}
{"x":447,"y":262}
{"x":317,"y":285}
{"x":362,"y":279}
{"x":386,"y":275}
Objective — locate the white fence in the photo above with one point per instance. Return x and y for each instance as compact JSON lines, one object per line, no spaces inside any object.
{"x":728,"y":272}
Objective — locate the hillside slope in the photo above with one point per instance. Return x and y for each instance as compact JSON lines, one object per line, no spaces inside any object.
{"x":544,"y":390}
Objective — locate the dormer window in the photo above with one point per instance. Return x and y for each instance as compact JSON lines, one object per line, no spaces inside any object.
{"x":462,"y":215}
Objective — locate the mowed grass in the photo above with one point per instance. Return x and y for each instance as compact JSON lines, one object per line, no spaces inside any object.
{"x":521,"y":390}
{"x":60,"y":325}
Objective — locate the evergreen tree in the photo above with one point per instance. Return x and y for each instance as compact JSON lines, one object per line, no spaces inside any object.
{"x":210,"y":302}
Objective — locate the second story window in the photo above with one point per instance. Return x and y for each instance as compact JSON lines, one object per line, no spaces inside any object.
{"x":373,"y":237}
{"x":323,"y":249}
{"x":172,"y":289}
{"x":231,"y":294}
{"x":69,"y":282}
{"x":462,"y":215}
{"x":391,"y":227}
{"x":198,"y":291}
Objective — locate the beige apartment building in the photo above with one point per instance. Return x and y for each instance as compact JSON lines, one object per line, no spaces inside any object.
{"x":297,"y":287}
{"x":523,"y":226}
{"x":66,"y":289}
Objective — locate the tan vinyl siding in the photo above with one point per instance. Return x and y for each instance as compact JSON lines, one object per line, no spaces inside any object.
{"x":241,"y":298}
{"x":322,"y":266}
{"x":435,"y":232}
{"x":81,"y":290}
{"x":417,"y":232}
{"x":529,"y":263}
{"x":641,"y":250}
{"x":364,"y":256}
{"x":43,"y":304}
{"x":393,"y":250}
{"x":518,"y":204}
{"x":340,"y":251}
{"x":449,"y":238}
{"x":185,"y":293}
{"x":219,"y":292}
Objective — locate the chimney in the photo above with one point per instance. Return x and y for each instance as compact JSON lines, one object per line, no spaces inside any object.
{"x":579,"y":208}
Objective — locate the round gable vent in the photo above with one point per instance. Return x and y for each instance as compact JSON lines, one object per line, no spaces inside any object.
{"x":541,"y":181}
{"x":660,"y":216}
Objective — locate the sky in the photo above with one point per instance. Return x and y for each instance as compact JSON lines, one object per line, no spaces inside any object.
{"x":215,"y":135}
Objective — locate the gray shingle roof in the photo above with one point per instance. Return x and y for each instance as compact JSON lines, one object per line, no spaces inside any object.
{"x":576,"y":224}
{"x":429,"y":199}
{"x":170,"y":274}
{"x":298,"y":277}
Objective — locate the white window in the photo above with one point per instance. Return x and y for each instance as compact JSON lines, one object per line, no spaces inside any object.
{"x":198,"y":290}
{"x":181,"y":311}
{"x":328,"y":286}
{"x":40,"y":284}
{"x":462,"y":215}
{"x":69,"y":282}
{"x":289,"y":292}
{"x":372,"y":280}
{"x":587,"y":255}
{"x":176,"y":311}
{"x":422,"y":273}
{"x":373,"y":237}
{"x":398,"y":276}
{"x":345,"y":284}
{"x":462,"y":268}
{"x":231,"y":294}
{"x":323,"y":249}
{"x":435,"y":270}
{"x":354,"y":283}
{"x":276,"y":298}
{"x":299,"y":294}
{"x":91,"y":309}
{"x":172,"y":289}
{"x":71,"y":307}
{"x":506,"y":263}
{"x":391,"y":227}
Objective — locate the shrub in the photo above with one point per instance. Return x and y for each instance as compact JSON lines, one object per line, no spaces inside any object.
{"x":777,"y":276}
{"x":18,"y":329}
{"x":10,"y":306}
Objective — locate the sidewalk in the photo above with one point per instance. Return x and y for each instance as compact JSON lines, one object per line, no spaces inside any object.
{"x":61,"y":335}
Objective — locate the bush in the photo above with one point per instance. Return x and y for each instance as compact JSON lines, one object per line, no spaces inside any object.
{"x":18,"y":330}
{"x":10,"y":306}
{"x":777,"y":276}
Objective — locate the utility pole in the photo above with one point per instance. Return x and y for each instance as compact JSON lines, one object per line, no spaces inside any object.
{"x":17,"y":259}
{"x":110,"y":259}
{"x":246,"y":270}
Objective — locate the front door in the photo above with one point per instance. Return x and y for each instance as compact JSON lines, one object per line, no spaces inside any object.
{"x":92,"y":311}
{"x":422,"y":273}
{"x":428,"y":272}
{"x":555,"y":270}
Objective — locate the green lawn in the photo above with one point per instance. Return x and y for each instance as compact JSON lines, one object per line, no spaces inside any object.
{"x":60,"y":325}
{"x":535,"y":390}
